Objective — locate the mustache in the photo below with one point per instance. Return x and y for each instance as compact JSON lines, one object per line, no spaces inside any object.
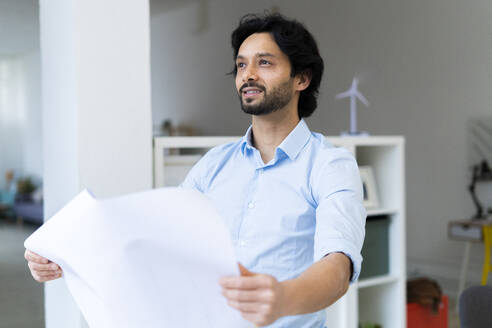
{"x":252,"y":85}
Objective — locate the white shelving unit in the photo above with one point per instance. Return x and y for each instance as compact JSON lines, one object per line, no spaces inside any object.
{"x":380,"y":299}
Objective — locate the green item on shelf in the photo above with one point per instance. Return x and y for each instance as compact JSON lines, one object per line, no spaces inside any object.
{"x":375,"y":249}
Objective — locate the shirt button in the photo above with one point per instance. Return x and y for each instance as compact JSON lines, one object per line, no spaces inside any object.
{"x":251,"y":205}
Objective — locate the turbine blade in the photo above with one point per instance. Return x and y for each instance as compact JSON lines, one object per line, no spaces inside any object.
{"x":345,"y":94}
{"x":361,"y":97}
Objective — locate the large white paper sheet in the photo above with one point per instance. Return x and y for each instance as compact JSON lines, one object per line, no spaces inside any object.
{"x":149,"y":259}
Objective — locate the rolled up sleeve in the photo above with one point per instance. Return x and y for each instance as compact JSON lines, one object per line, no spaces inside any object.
{"x":340,"y":214}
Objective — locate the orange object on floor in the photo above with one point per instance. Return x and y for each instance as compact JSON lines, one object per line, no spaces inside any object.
{"x":419,"y":316}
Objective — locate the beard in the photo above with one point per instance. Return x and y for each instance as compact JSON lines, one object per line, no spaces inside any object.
{"x":273,"y":100}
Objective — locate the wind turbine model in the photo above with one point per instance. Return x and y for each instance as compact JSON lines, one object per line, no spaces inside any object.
{"x":354,"y":94}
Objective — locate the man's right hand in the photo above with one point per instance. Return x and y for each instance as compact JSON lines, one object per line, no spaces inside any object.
{"x":42,"y":269}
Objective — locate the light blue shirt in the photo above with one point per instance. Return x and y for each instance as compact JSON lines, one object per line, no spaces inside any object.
{"x":287,"y":214}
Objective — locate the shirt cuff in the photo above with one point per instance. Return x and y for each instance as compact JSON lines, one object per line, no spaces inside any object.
{"x":341,"y":246}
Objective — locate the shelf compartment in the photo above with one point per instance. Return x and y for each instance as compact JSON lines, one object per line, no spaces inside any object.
{"x":387,"y":165}
{"x":377,"y":304}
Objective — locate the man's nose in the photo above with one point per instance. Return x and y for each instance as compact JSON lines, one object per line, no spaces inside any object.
{"x":250,"y":74}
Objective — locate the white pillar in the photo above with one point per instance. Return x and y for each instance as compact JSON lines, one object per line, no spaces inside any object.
{"x":96,"y":111}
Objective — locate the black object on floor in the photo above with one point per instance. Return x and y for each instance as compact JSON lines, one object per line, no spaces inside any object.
{"x":475,"y":307}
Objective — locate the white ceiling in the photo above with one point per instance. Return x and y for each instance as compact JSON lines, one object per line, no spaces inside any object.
{"x":19,"y":26}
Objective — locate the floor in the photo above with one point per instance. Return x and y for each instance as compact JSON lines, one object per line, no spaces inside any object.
{"x":454,"y":320}
{"x":21,"y":298}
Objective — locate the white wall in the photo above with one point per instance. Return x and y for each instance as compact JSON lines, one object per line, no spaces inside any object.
{"x":20,"y":117}
{"x":32,"y":150}
{"x":189,"y":64}
{"x":425,"y":66}
{"x":11,"y":120}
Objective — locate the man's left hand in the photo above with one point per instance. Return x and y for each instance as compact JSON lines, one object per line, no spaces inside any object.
{"x":259,"y":297}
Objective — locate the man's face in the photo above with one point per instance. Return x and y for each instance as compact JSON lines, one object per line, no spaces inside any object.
{"x":263,"y":78}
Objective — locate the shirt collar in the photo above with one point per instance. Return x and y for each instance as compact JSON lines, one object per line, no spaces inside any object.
{"x":296,"y":140}
{"x":291,"y":145}
{"x":247,"y":141}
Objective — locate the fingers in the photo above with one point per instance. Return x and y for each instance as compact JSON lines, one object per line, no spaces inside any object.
{"x":43,"y":267}
{"x":240,"y":295}
{"x":251,"y":307}
{"x":248,"y":296}
{"x":46,"y":273}
{"x":250,"y":282}
{"x":40,"y":278}
{"x":33,"y":257}
{"x":257,"y":297}
{"x":37,"y":262}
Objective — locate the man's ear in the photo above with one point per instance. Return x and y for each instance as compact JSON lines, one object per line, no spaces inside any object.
{"x":303,"y":80}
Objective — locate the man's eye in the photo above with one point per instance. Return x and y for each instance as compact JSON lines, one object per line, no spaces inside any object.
{"x":240,"y":65}
{"x":264,"y":62}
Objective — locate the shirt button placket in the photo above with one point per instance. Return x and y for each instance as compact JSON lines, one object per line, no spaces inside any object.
{"x":250,"y":206}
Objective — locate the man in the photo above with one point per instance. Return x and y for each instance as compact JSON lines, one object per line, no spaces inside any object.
{"x":291,"y":201}
{"x":287,"y":197}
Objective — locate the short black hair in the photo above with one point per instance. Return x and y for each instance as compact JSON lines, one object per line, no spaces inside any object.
{"x":296,"y":42}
